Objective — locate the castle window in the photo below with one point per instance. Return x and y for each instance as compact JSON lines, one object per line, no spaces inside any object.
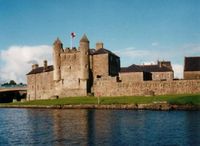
{"x":79,"y":81}
{"x":98,"y":76}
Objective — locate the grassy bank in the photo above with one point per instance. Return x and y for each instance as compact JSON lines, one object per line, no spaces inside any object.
{"x":172,"y":99}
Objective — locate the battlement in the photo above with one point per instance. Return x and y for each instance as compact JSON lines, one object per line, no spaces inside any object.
{"x":69,"y":50}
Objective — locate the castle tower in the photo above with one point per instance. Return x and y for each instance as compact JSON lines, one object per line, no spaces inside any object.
{"x":57,"y":49}
{"x":84,"y":57}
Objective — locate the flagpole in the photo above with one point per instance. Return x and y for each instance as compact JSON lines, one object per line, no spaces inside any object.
{"x":72,"y":39}
{"x":71,"y":42}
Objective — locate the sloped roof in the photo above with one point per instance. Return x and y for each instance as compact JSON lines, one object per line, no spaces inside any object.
{"x":192,"y":64}
{"x":91,"y":51}
{"x":57,"y":41}
{"x":103,"y":51}
{"x":40,"y":70}
{"x":155,"y":68}
{"x":145,"y":68}
{"x":132,"y":68}
{"x":84,"y":38}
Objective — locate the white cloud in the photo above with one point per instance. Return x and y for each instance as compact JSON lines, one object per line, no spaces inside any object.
{"x":132,"y":52}
{"x":196,"y":49}
{"x":178,"y":71}
{"x":17,"y":61}
{"x":132,"y":55}
{"x":150,"y":63}
{"x":155,"y":44}
{"x":188,"y":50}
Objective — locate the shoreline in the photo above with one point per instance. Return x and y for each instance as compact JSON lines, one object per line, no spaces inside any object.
{"x":151,"y":106}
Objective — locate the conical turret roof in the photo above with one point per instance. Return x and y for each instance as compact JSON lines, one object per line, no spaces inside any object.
{"x":84,"y":38}
{"x":57,"y":41}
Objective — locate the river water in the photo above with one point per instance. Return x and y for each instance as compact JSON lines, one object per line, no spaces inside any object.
{"x":98,"y":127}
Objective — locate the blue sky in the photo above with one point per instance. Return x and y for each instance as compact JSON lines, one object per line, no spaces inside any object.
{"x":137,"y":30}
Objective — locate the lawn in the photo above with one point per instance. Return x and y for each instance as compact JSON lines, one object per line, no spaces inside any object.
{"x":172,"y":99}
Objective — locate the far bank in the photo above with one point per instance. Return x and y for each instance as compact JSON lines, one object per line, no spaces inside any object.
{"x":165,"y":102}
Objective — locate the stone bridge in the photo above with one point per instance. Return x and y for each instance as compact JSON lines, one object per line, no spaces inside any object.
{"x":12,"y":94}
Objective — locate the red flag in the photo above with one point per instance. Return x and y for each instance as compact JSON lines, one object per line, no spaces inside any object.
{"x":73,"y":34}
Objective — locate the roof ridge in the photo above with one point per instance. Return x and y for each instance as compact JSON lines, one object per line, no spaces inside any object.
{"x":40,"y":70}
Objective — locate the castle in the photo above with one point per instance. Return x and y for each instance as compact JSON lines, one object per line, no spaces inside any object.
{"x":73,"y":72}
{"x":84,"y":71}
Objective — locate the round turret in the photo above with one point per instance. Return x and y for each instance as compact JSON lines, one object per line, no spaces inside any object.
{"x":84,"y":39}
{"x":57,"y":49}
{"x":84,"y":57}
{"x":84,"y":42}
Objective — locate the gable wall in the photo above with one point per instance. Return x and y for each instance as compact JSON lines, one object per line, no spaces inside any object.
{"x":191,"y":75}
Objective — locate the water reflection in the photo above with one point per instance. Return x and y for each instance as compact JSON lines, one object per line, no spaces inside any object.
{"x":192,"y":128}
{"x":98,"y":127}
{"x":70,"y":126}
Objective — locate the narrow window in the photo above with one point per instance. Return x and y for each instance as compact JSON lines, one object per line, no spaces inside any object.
{"x":98,"y":76}
{"x":79,"y":81}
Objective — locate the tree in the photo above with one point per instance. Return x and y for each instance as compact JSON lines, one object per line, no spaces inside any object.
{"x":12,"y":82}
{"x":4,"y":84}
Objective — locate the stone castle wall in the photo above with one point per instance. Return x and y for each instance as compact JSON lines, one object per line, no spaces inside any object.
{"x":77,"y":73}
{"x":100,"y":65}
{"x":70,"y":70}
{"x":131,"y":76}
{"x":40,"y":86}
{"x":110,"y":87}
{"x":191,"y":75}
{"x":63,"y":90}
{"x":71,"y":83}
{"x":162,"y":76}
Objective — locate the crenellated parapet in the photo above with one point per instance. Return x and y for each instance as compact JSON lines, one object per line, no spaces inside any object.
{"x":73,"y":50}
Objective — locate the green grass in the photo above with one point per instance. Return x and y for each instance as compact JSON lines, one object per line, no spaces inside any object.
{"x":172,"y":99}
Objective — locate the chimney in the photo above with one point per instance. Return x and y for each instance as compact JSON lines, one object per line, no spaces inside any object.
{"x":99,"y":45}
{"x":34,"y":66}
{"x":45,"y":65}
{"x":160,"y":64}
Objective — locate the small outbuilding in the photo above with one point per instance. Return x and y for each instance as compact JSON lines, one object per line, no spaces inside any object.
{"x":192,"y":68}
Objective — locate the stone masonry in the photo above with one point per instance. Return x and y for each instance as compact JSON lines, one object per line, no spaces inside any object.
{"x":84,"y":70}
{"x":73,"y":72}
{"x":111,"y":87}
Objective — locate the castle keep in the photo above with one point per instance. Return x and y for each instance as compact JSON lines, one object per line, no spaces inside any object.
{"x":74,"y":71}
{"x":82,"y":71}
